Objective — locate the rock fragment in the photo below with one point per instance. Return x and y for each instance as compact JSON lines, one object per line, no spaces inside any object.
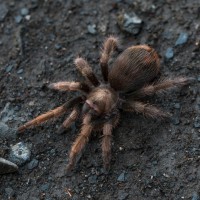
{"x":169,"y":53}
{"x":20,"y":153}
{"x":182,"y":39}
{"x":7,"y":166}
{"x":92,"y":29}
{"x":33,"y":164}
{"x":130,"y":23}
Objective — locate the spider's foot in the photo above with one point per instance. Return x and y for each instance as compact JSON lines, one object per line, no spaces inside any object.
{"x":69,"y":168}
{"x":61,"y":130}
{"x":106,"y":168}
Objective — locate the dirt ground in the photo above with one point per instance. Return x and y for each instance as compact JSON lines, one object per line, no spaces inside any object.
{"x":151,"y":159}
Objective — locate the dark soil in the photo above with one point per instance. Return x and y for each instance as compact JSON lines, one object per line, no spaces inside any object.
{"x":151,"y":159}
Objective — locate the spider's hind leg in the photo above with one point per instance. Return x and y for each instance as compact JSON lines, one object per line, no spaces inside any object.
{"x":161,"y":86}
{"x":145,"y":109}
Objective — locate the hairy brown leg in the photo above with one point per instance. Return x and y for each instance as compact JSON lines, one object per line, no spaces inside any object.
{"x":110,"y":45}
{"x":106,"y":141}
{"x":70,"y":119}
{"x":145,"y":109}
{"x":160,"y":87}
{"x":80,"y":141}
{"x":70,"y":86}
{"x":85,"y":69}
{"x":50,"y":114}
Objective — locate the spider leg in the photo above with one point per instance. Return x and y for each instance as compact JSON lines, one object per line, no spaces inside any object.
{"x":85,"y":69}
{"x":80,"y":141}
{"x":106,"y":140}
{"x":110,"y":45}
{"x":70,"y":119}
{"x":160,"y":87}
{"x":145,"y":109}
{"x":70,"y":86}
{"x":51,"y":114}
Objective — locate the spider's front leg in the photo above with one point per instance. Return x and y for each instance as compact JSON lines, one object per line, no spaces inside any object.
{"x":80,"y":141}
{"x":106,"y":140}
{"x":70,"y":86}
{"x":83,"y":66}
{"x":51,"y":114}
{"x":70,"y":119}
{"x":110,"y":45}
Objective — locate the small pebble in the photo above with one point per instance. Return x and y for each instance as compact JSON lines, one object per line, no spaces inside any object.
{"x":92,"y":179}
{"x":58,"y":46}
{"x":53,"y":151}
{"x":3,"y":128}
{"x":130,"y":23}
{"x":33,"y":164}
{"x":195,"y":196}
{"x":182,"y":39}
{"x":3,"y":11}
{"x":10,"y":192}
{"x":20,"y":71}
{"x":34,"y":4}
{"x":6,"y":132}
{"x":27,"y":17}
{"x":92,"y":29}
{"x":177,"y":105}
{"x":122,"y":195}
{"x":197,"y":122}
{"x":9,"y":68}
{"x":7,"y":166}
{"x":20,"y":153}
{"x":167,"y":35}
{"x":169,"y":53}
{"x":45,"y":187}
{"x":175,"y":121}
{"x":121,"y":177}
{"x":18,"y":19}
{"x":24,"y":11}
{"x":89,"y":196}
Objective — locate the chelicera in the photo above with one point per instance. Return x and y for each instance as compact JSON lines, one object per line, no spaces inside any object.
{"x":130,"y":78}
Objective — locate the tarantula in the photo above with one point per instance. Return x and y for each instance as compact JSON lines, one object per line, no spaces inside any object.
{"x":130,"y":77}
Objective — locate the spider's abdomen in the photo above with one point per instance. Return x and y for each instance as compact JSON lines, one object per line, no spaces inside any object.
{"x":133,"y":68}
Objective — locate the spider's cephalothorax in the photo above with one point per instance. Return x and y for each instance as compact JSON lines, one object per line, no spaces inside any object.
{"x":130,"y":78}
